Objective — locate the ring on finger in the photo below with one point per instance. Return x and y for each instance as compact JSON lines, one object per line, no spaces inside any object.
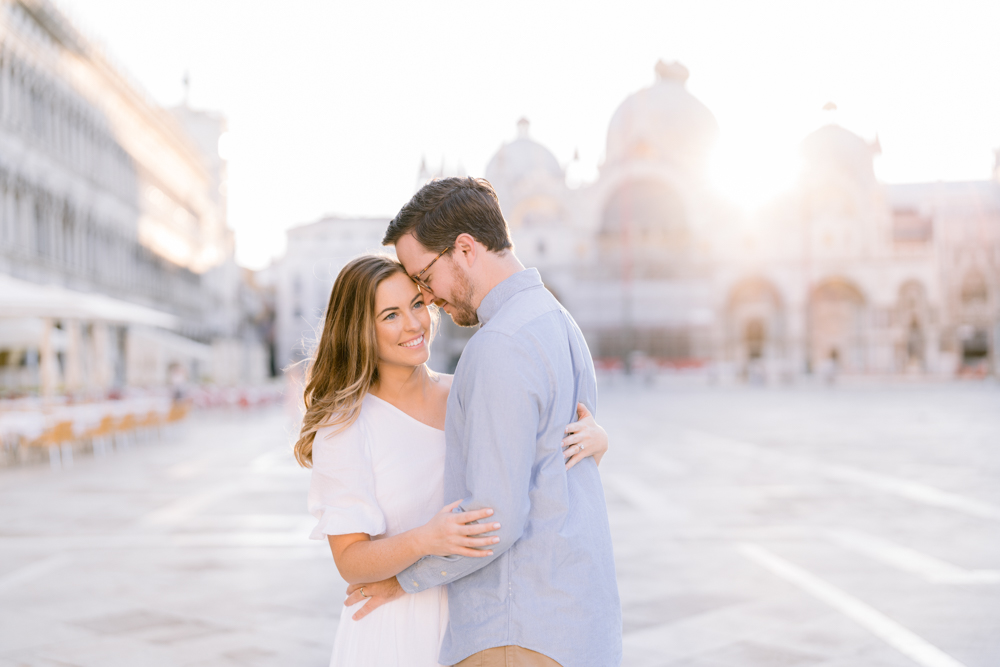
{"x":362,"y":589}
{"x":581,"y":446}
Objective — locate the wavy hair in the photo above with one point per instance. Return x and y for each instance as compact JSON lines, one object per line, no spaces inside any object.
{"x":344,"y":365}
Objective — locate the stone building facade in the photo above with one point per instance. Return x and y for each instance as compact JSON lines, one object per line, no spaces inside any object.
{"x":843,"y":273}
{"x":104,"y":192}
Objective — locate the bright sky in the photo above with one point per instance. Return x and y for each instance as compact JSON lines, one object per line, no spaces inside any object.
{"x":332,"y":104}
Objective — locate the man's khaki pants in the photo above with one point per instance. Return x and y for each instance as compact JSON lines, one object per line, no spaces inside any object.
{"x":508,"y":656}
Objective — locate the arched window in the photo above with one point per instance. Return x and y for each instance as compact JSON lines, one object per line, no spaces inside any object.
{"x":974,"y":288}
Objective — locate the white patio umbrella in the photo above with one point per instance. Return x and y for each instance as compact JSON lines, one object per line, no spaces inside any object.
{"x":23,"y":305}
{"x":21,"y":299}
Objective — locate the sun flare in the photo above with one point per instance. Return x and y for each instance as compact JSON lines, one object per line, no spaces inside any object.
{"x":749,"y":174}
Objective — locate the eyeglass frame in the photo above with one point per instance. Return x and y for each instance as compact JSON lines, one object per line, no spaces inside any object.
{"x":422,"y":284}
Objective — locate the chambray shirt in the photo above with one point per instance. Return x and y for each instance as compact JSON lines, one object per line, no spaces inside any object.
{"x":550,"y":585}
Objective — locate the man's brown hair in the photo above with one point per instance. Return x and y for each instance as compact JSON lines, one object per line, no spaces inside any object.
{"x":447,"y":207}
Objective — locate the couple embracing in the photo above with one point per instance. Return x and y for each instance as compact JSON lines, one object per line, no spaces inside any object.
{"x":517,"y":568}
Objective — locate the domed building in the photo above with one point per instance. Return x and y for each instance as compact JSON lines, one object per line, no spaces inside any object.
{"x":838,"y":176}
{"x":650,"y":216}
{"x":628,"y":253}
{"x":650,"y":202}
{"x":524,"y":166}
{"x":843,"y":274}
{"x":833,"y":149}
{"x":531,"y":186}
{"x":850,"y":275}
{"x":663,"y":123}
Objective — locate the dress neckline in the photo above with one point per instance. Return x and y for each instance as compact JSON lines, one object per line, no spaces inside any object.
{"x":408,"y":416}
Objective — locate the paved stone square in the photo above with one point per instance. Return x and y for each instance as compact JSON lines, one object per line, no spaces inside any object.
{"x":845,"y":526}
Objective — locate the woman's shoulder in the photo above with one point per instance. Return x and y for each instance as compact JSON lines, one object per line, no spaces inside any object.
{"x":336,"y":444}
{"x":335,"y":432}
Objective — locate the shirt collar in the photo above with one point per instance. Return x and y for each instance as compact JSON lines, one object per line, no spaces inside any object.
{"x":498,"y":296}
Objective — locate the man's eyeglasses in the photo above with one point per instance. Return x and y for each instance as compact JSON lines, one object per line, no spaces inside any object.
{"x":417,"y":279}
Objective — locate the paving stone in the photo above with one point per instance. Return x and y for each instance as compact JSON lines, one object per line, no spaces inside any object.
{"x":756,"y":654}
{"x":669,"y":608}
{"x":192,"y":551}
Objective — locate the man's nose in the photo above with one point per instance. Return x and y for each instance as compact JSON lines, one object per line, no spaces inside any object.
{"x":427,"y":294}
{"x":431,"y":298}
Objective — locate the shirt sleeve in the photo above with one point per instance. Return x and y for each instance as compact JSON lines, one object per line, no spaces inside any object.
{"x":342,"y":489}
{"x":502,"y":407}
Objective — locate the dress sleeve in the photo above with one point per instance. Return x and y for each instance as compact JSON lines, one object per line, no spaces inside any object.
{"x":342,"y":490}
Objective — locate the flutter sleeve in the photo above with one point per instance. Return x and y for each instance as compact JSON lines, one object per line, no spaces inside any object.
{"x":342,"y":490}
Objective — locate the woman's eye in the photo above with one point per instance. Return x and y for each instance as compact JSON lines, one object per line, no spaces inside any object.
{"x":390,"y":316}
{"x":418,"y":304}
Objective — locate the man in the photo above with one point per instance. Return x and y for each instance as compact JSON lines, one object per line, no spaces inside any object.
{"x":548,"y":595}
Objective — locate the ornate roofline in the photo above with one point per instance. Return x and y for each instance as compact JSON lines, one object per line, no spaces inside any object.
{"x":62,"y":30}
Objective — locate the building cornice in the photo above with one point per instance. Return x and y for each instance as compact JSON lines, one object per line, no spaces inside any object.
{"x":64,"y":33}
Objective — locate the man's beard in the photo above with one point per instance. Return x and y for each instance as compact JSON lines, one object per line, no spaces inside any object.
{"x":465,"y":315}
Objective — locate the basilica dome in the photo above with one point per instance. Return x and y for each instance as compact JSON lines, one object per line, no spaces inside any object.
{"x":524,"y":157}
{"x":832,"y":148}
{"x":663,"y":122}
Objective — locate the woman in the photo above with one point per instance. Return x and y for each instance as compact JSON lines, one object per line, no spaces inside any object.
{"x":373,"y":435}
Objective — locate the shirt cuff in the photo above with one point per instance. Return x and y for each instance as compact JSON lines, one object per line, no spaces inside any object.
{"x":409,"y":584}
{"x":428,"y":572}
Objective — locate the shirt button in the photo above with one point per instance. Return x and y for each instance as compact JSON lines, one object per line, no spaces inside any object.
{"x":444,"y":574}
{"x":416,"y":584}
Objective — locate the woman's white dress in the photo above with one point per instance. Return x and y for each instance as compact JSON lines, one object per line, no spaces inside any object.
{"x":382,"y":475}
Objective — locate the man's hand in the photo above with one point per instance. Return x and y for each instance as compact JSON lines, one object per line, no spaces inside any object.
{"x":378,"y":594}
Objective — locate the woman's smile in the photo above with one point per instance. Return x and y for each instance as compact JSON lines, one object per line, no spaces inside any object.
{"x":414,"y":342}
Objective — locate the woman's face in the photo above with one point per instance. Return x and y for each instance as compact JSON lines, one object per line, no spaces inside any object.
{"x":402,"y":322}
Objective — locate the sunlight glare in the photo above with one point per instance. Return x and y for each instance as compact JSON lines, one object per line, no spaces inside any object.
{"x":749,"y":173}
{"x":225,"y":146}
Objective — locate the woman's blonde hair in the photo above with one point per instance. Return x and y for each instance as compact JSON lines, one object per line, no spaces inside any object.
{"x":344,"y":365}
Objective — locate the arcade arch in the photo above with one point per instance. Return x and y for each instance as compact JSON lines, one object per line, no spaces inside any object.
{"x":974,"y":329}
{"x":755,"y":322}
{"x":912,"y":318}
{"x":836,"y":325}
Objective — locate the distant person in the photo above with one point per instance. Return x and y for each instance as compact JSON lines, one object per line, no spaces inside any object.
{"x":548,"y":594}
{"x":372,"y":434}
{"x":831,"y":367}
{"x":177,"y":378}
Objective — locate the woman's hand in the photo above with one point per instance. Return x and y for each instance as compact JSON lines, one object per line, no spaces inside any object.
{"x":584,"y":438}
{"x":447,"y":533}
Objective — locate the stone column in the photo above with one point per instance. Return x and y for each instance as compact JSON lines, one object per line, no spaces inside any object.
{"x":101,"y":359}
{"x":74,"y":365}
{"x":798,"y":335}
{"x":48,"y":365}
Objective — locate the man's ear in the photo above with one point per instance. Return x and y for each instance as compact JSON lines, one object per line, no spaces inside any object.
{"x":466,"y":249}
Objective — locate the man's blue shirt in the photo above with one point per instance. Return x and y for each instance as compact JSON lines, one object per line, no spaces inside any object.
{"x":550,"y":585}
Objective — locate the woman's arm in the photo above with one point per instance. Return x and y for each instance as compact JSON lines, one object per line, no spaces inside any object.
{"x":361,"y":559}
{"x":584,"y":438}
